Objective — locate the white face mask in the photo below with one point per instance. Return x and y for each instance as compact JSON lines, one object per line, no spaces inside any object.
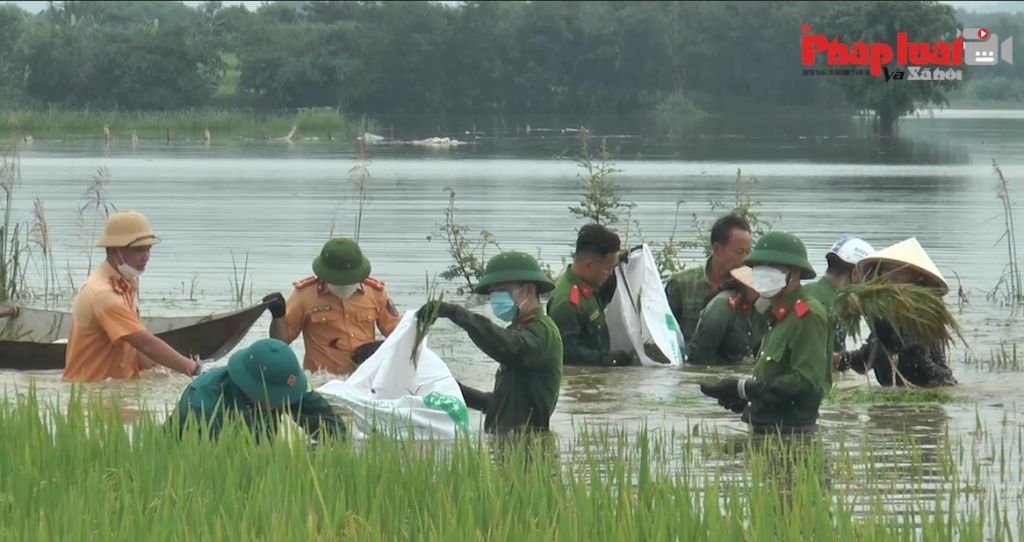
{"x":126,"y":270}
{"x":762,"y":305}
{"x":768,"y":281}
{"x":343,"y":291}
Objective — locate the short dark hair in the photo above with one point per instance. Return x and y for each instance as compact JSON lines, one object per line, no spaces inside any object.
{"x":721,"y":231}
{"x":597,"y":240}
{"x":837,"y":266}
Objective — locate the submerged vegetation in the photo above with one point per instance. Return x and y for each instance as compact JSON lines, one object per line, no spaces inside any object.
{"x":74,"y":468}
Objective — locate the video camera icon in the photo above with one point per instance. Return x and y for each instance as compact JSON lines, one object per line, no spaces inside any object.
{"x":982,"y":48}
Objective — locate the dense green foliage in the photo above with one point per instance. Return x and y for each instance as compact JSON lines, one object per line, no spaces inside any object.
{"x":572,"y":58}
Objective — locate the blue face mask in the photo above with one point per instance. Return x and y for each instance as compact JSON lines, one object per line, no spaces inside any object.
{"x":504,"y":306}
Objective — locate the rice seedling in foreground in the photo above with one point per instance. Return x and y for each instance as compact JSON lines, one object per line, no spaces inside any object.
{"x":76,"y":471}
{"x":322,"y":123}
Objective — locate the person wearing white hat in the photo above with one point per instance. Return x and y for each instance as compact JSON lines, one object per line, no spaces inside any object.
{"x":922,"y":365}
{"x":731,"y":325}
{"x":107,"y":339}
{"x":842,"y":260}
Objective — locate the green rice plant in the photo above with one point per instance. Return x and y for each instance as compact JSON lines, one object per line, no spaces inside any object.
{"x":1009,"y":285}
{"x":12,"y":248}
{"x":913,"y":310}
{"x":423,"y":324}
{"x":79,"y":467}
{"x":320,"y":123}
{"x":240,"y":289}
{"x":79,"y":470}
{"x":39,"y":238}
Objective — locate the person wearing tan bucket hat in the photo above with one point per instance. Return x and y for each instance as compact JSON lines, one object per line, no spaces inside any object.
{"x":335,"y":310}
{"x":922,"y":365}
{"x":107,"y":339}
{"x":731,"y":325}
{"x":793,"y":372}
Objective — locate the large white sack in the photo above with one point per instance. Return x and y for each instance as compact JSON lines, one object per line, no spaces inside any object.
{"x":639,"y":312}
{"x":386,"y":393}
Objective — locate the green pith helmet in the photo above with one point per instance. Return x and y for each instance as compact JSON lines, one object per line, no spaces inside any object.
{"x":781,"y":248}
{"x":268,"y":370}
{"x":341,"y":262}
{"x":512,"y":266}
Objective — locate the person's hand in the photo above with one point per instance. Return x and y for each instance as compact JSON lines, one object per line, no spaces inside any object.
{"x":621,"y":358}
{"x":197,"y":369}
{"x":835,"y":362}
{"x":736,"y":405}
{"x":841,"y":361}
{"x":440,"y":308}
{"x":726,"y":389}
{"x":275,"y":304}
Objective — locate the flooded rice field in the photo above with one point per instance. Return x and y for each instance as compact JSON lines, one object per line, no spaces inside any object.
{"x":268,"y":206}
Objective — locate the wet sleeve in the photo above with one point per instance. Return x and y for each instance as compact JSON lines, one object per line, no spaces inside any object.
{"x":116,"y":318}
{"x":317,"y":418}
{"x":294,"y":315}
{"x":475,"y":399}
{"x":809,"y":366}
{"x":566,"y":317}
{"x":715,"y":319}
{"x":388,"y":315}
{"x":515,"y":348}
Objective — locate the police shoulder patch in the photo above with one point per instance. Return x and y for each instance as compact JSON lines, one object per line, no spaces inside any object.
{"x":374,"y":283}
{"x":574,"y":295}
{"x":392,"y":309}
{"x":119,"y":285}
{"x":801,"y":308}
{"x":300,"y":284}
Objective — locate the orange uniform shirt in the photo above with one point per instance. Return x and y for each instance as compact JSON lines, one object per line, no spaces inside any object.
{"x":106,"y":311}
{"x":331,"y":328}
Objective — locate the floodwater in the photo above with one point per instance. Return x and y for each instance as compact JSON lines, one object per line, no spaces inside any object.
{"x":274,"y":203}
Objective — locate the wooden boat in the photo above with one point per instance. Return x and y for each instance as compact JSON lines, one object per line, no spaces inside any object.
{"x":27,"y":336}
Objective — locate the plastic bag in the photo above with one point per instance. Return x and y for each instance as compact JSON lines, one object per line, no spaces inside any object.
{"x":387,"y":394}
{"x":639,"y":317}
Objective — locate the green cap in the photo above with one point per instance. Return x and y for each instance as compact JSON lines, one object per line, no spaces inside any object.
{"x":268,"y":370}
{"x":341,"y":262}
{"x":513,"y":266}
{"x":781,"y":248}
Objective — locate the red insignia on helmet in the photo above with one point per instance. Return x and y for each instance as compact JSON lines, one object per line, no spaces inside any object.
{"x":574,"y":295}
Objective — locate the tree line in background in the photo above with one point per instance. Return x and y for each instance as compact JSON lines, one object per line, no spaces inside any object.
{"x":572,"y":58}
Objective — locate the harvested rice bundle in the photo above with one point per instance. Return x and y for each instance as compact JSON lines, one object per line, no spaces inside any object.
{"x":914,"y":311}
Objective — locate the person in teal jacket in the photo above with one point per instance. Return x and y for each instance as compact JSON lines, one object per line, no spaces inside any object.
{"x":259,"y":383}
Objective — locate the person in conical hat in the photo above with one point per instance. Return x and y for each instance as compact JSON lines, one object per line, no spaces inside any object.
{"x":842,"y":260}
{"x":923,"y":365}
{"x":731,"y":325}
{"x":336,"y":310}
{"x":107,"y":339}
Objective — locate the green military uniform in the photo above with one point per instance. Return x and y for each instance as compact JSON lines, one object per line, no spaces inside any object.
{"x":529,"y":351}
{"x":793,"y":371}
{"x":728,"y":332}
{"x":233,"y":391}
{"x":824,"y":290}
{"x":687,"y":291}
{"x":578,"y":311}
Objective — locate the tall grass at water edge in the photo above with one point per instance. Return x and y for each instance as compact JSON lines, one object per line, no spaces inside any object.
{"x":320,"y":123}
{"x":76,"y":471}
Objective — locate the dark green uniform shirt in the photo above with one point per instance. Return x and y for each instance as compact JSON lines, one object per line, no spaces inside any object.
{"x":729,"y":331}
{"x":528,"y":381}
{"x":825,"y":292}
{"x":212,"y":396}
{"x":578,"y":311}
{"x":687,"y":292}
{"x":794,"y":367}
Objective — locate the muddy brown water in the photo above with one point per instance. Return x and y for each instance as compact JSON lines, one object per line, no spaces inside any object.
{"x":275,"y":203}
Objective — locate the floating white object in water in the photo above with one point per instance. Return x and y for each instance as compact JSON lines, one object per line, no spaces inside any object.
{"x":438,"y":142}
{"x":370,"y":138}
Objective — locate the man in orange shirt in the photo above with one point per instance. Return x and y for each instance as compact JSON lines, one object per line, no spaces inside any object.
{"x":107,"y":337}
{"x":335,"y":310}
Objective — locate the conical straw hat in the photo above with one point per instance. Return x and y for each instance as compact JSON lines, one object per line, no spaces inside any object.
{"x":744,"y":275}
{"x":909,"y":253}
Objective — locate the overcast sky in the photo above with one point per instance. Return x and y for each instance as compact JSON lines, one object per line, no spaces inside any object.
{"x":978,"y":6}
